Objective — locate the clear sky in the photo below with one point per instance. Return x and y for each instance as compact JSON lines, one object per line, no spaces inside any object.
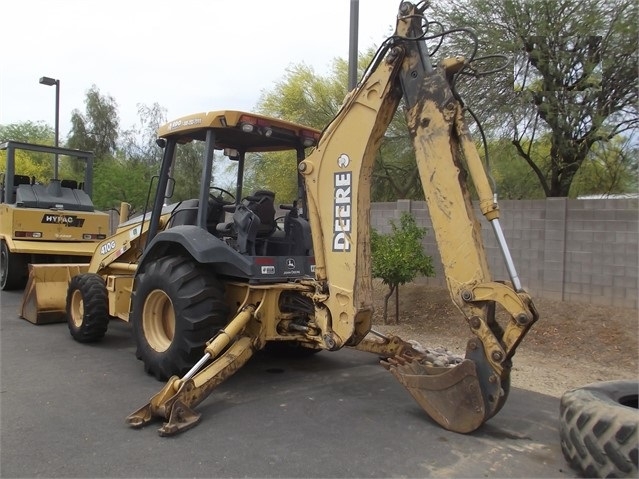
{"x":186,"y":55}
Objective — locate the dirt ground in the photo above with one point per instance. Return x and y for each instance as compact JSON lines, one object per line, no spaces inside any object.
{"x":571,"y":345}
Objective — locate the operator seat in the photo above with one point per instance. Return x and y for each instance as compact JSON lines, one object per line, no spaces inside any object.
{"x":253,"y":222}
{"x":262,"y":203}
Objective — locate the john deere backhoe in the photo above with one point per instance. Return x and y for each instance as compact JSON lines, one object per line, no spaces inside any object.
{"x":209,"y":281}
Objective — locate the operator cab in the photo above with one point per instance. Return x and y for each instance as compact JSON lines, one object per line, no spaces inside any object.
{"x":243,"y":233}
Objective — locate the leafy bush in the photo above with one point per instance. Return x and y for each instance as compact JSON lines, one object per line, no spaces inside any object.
{"x":398,"y":257}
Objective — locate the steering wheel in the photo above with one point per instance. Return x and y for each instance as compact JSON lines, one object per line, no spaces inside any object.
{"x":219,"y":198}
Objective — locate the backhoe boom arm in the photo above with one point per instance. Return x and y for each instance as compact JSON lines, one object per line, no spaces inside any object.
{"x":338,"y":176}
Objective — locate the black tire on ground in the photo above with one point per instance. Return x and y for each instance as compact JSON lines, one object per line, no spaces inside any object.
{"x":598,"y":429}
{"x":177,"y":306}
{"x":14,"y":268}
{"x":87,"y":308}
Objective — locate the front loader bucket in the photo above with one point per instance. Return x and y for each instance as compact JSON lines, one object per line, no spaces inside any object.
{"x":45,"y":295}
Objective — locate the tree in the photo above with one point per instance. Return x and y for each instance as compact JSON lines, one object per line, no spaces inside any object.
{"x":575,"y":76}
{"x":117,"y":180}
{"x":188,"y":171}
{"x":611,"y":169}
{"x":96,"y":130}
{"x":28,"y":132}
{"x":138,"y":143}
{"x":399,"y":257}
{"x":512,"y":178}
{"x":30,"y":163}
{"x":305,"y":97}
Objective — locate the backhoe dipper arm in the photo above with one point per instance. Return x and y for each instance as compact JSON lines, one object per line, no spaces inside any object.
{"x":338,"y":176}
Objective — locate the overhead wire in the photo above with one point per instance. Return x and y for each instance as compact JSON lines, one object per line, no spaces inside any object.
{"x":467,"y":69}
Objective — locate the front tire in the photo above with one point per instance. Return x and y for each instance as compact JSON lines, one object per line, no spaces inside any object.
{"x":87,"y":308}
{"x":598,"y":429}
{"x":13,"y":268}
{"x":177,"y":306}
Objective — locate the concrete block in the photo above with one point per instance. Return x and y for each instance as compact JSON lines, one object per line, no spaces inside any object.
{"x":631,"y":216}
{"x":539,"y":225}
{"x":601,"y":280}
{"x":550,"y":294}
{"x":572,"y":288}
{"x":582,"y":215}
{"x":576,"y":297}
{"x":592,"y":204}
{"x":559,"y":225}
{"x":553,"y":256}
{"x":617,"y":293}
{"x":554,"y":245}
{"x":403,"y":205}
{"x":555,"y":234}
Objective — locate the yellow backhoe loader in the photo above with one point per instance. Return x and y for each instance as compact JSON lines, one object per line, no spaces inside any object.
{"x":46,"y":223}
{"x":207,"y":282}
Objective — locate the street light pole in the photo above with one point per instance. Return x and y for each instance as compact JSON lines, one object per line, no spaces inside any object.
{"x":50,"y":82}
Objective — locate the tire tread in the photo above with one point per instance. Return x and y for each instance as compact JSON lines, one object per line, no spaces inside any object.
{"x":598,"y":434}
{"x":95,"y":321}
{"x":198,"y":301}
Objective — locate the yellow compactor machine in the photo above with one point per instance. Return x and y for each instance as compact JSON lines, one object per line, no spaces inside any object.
{"x":54,"y":222}
{"x":207,"y":282}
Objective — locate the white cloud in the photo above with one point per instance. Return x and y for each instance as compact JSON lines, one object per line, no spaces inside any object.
{"x":188,"y":56}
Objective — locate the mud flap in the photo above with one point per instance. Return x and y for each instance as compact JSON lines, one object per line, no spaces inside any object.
{"x":459,"y":399}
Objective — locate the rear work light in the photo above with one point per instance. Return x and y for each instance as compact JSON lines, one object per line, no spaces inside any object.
{"x":247,"y":128}
{"x":250,"y":124}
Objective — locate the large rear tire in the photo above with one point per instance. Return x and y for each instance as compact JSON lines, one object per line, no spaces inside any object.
{"x":598,"y":429}
{"x":87,"y":308}
{"x":177,"y":306}
{"x":14,"y":268}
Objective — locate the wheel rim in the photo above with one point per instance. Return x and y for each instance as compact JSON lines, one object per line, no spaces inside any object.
{"x":77,"y":309}
{"x":158,"y":320}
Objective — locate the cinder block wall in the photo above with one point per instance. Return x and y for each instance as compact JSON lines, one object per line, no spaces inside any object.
{"x":573,"y":250}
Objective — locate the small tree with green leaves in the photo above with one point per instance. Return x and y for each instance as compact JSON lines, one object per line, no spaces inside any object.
{"x":398,"y":258}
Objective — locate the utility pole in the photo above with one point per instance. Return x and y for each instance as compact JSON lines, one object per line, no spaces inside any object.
{"x":352,"y":51}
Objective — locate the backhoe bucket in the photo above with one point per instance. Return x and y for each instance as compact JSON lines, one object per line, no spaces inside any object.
{"x":45,"y":295}
{"x":459,"y":398}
